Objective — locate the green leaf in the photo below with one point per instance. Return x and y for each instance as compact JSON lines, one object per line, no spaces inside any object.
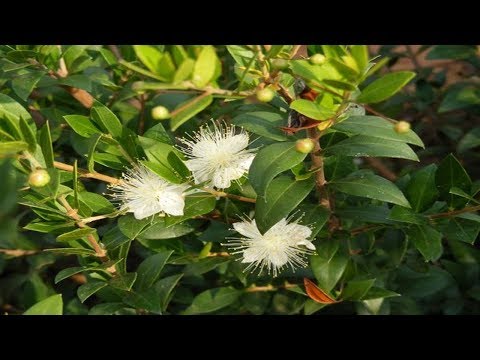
{"x":204,"y":68}
{"x":377,"y":127}
{"x":197,"y":204}
{"x":106,"y":308}
{"x":469,"y":141}
{"x":23,"y":85}
{"x":145,"y":300}
{"x":66,"y":273}
{"x":462,"y":230}
{"x":212,"y":300}
{"x":28,"y":134}
{"x":366,"y":213}
{"x":360,"y":54}
{"x":132,"y":227}
{"x":160,"y":230}
{"x":81,"y":125}
{"x":450,"y":173}
{"x":149,"y":270}
{"x":311,"y":109}
{"x":460,"y":192}
{"x":356,"y":289}
{"x":345,"y":70}
{"x":271,"y":161}
{"x":378,"y":293}
{"x":96,"y":202}
{"x":164,"y":288}
{"x":372,"y":187}
{"x":262,"y":123}
{"x":149,"y":55}
{"x":93,"y":142}
{"x":76,"y":234}
{"x":283,"y":195}
{"x":427,"y":240}
{"x":188,"y":109}
{"x":460,"y":97}
{"x":166,"y":67}
{"x":159,"y":134}
{"x":401,"y":214}
{"x":46,"y":145}
{"x":123,"y":281}
{"x":52,"y":305}
{"x":455,"y":52}
{"x":72,"y":251}
{"x":241,"y":54}
{"x":48,"y":226}
{"x":12,"y":147}
{"x":106,"y":119}
{"x":314,"y":216}
{"x":362,"y":145}
{"x":385,"y":87}
{"x":91,"y":287}
{"x":204,"y":265}
{"x":184,"y":71}
{"x":329,"y":265}
{"x":114,"y":238}
{"x":421,"y":190}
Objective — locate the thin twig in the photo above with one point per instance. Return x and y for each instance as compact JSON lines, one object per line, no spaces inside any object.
{"x":86,"y":174}
{"x":231,"y":196}
{"x":18,"y":252}
{"x":270,"y":287}
{"x":381,"y":168}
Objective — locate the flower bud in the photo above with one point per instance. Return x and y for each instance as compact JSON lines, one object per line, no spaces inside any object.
{"x":304,"y":146}
{"x":39,"y":178}
{"x":279,"y":64}
{"x":402,"y":127}
{"x":317,"y":59}
{"x":160,"y":113}
{"x":265,"y":95}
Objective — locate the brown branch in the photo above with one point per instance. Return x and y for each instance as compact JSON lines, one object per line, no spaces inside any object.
{"x":381,"y":168}
{"x":454,"y":212}
{"x":84,"y":173}
{"x":269,"y":287}
{"x":91,"y":239}
{"x":18,"y":252}
{"x":317,"y":163}
{"x":230,"y":196}
{"x":375,"y":112}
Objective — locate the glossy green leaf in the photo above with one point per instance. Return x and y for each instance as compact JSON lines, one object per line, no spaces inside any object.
{"x":460,"y":229}
{"x":52,"y":305}
{"x":149,"y":270}
{"x":283,"y":195}
{"x":356,"y":289}
{"x":149,"y":55}
{"x":314,"y":216}
{"x":12,"y":147}
{"x":76,"y":234}
{"x":164,"y":289}
{"x":45,"y":139}
{"x":312,"y":109}
{"x":204,"y":265}
{"x":81,"y":125}
{"x":195,"y":205}
{"x":363,"y":145}
{"x":204,"y":68}
{"x":188,"y":109}
{"x":271,"y":161}
{"x":132,"y":227}
{"x":184,"y":71}
{"x":212,"y":300}
{"x":28,"y":134}
{"x":469,"y":141}
{"x":372,"y":187}
{"x":106,"y":119}
{"x":375,"y":126}
{"x":402,"y":214}
{"x":91,"y":287}
{"x":23,"y":85}
{"x":329,"y":265}
{"x":450,"y":173}
{"x":262,"y":123}
{"x":123,"y":281}
{"x":427,"y":240}
{"x":421,"y":191}
{"x":385,"y":87}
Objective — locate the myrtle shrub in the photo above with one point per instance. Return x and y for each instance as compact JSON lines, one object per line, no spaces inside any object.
{"x":256,"y":179}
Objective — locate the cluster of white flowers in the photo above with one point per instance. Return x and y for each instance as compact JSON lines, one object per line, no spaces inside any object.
{"x":217,"y":158}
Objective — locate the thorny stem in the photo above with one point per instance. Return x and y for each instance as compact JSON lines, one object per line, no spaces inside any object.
{"x":74,"y":215}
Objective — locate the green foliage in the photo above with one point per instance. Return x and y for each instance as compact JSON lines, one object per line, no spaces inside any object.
{"x":392,"y":217}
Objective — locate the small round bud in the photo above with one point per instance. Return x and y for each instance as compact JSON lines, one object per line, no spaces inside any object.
{"x":304,"y":146}
{"x":279,"y":64}
{"x":39,"y":178}
{"x":160,"y":113}
{"x":402,"y":127}
{"x":265,"y":95}
{"x":317,"y":59}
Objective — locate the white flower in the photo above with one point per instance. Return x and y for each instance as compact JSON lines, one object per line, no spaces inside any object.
{"x":218,"y":157}
{"x":283,"y":244}
{"x":145,"y":193}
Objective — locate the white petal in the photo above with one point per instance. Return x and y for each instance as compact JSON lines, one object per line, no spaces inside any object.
{"x":146,"y":210}
{"x":278,"y":229}
{"x":307,"y":244}
{"x":235,"y":143}
{"x":278,"y":258}
{"x":297,"y":232}
{"x":172,"y":203}
{"x":248,"y":229}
